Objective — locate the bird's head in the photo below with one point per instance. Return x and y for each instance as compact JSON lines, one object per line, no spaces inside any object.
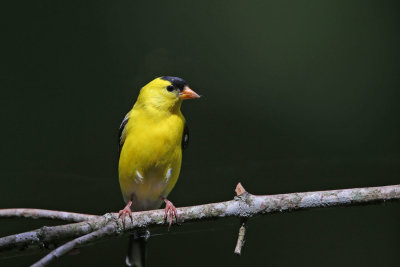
{"x":166,"y":93}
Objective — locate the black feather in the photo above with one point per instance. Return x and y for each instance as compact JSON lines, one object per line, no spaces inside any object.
{"x":121,"y":136}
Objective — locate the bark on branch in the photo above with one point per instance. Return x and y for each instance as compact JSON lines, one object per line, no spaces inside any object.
{"x":45,"y":214}
{"x":243,"y":206}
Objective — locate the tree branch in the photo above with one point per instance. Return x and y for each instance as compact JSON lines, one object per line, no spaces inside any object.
{"x":67,"y":247}
{"x":46,"y":214}
{"x":46,"y":238}
{"x":243,"y":206}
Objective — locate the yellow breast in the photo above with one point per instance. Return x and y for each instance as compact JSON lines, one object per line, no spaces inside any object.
{"x":150,"y":159}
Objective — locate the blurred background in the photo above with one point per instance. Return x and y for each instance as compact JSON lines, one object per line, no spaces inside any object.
{"x":297,"y":96}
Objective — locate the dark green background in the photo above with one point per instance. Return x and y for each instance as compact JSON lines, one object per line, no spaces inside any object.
{"x":297,"y":96}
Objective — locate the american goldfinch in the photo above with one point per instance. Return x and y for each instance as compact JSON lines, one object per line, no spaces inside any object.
{"x":151,"y":138}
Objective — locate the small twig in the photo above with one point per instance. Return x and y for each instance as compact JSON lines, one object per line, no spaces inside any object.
{"x":241,"y":238}
{"x":239,"y":189}
{"x":240,"y":192}
{"x":67,"y":247}
{"x":46,"y":214}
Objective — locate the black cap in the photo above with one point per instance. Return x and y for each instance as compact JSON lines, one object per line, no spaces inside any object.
{"x":175,"y":81}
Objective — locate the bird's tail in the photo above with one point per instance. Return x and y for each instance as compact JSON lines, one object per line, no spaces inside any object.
{"x":137,"y":248}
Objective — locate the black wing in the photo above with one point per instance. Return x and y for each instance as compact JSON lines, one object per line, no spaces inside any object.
{"x":122,"y":131}
{"x":185,"y":137}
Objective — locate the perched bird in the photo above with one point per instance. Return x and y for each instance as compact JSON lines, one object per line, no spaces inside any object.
{"x":151,"y":139}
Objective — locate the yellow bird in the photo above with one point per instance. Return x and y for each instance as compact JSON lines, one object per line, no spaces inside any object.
{"x":151,"y":138}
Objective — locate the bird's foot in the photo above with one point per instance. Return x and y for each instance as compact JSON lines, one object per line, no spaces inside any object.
{"x":170,"y":212}
{"x":126,"y":211}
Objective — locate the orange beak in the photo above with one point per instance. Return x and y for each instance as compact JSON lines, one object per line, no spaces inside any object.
{"x":188,"y":93}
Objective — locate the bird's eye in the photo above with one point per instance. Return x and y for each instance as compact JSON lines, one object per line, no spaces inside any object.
{"x":170,"y":88}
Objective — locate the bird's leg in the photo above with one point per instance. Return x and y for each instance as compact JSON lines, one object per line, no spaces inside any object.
{"x":125,"y":211}
{"x":170,"y":211}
